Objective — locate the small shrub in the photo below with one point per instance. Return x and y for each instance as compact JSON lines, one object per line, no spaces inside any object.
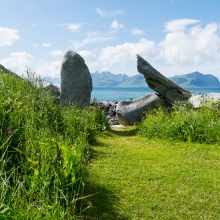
{"x":184,"y":124}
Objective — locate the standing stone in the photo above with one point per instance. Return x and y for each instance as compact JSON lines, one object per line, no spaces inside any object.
{"x":76,"y":81}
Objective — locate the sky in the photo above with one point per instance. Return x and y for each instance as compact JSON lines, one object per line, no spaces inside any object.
{"x":175,"y":36}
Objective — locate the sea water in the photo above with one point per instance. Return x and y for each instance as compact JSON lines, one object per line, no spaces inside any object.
{"x":113,"y":94}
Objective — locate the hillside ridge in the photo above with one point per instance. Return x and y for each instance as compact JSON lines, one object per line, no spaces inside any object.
{"x":108,"y":79}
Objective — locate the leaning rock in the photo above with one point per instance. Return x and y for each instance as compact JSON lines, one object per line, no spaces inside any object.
{"x":76,"y":81}
{"x":131,"y":111}
{"x":160,"y":83}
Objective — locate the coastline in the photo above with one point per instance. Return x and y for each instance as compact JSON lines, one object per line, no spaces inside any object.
{"x":116,"y":94}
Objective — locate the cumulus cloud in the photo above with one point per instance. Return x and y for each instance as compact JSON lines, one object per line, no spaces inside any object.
{"x":115,"y":25}
{"x":127,"y":52}
{"x":46,"y":45}
{"x":104,"y":69}
{"x":8,"y":36}
{"x":92,"y":37}
{"x":35,"y":45}
{"x":74,"y":27}
{"x":17,"y":62}
{"x":56,"y":53}
{"x":90,"y":58}
{"x":35,"y":25}
{"x":194,"y":45}
{"x":104,"y":13}
{"x":136,"y":31}
{"x":50,"y":69}
{"x":179,"y":24}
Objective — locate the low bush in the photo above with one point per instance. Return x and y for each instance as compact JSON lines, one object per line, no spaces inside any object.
{"x":184,"y":123}
{"x":43,"y":150}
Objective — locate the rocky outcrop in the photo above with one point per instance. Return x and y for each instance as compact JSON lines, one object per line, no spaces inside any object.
{"x":55,"y":90}
{"x":204,"y":99}
{"x":160,"y":83}
{"x":110,"y":111}
{"x":132,"y":111}
{"x":76,"y":81}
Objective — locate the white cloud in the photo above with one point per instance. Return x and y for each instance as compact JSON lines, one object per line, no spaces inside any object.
{"x":18,"y":62}
{"x":104,"y":13}
{"x":90,"y":58}
{"x":191,"y":49}
{"x":35,"y":45}
{"x":104,"y":69}
{"x":127,"y":52}
{"x":56,"y":53}
{"x":35,"y":25}
{"x":136,"y":31}
{"x":50,"y":69}
{"x":73,"y":27}
{"x":92,"y":37}
{"x":192,"y":46}
{"x":179,"y":25}
{"x":46,"y":45}
{"x":116,"y":25}
{"x":8,"y":36}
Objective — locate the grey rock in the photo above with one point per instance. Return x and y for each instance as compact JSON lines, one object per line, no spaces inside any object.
{"x":204,"y":99}
{"x":159,"y":83}
{"x":55,"y":90}
{"x":76,"y":81}
{"x":132,"y":111}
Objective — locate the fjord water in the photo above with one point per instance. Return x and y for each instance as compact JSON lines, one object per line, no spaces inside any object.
{"x":115,"y":94}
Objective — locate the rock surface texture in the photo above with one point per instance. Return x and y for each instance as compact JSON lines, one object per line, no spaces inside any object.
{"x":204,"y":99}
{"x":159,"y":83}
{"x":131,"y":111}
{"x":55,"y":90}
{"x":76,"y":81}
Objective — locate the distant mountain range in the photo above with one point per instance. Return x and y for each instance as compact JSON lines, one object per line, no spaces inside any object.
{"x":108,"y":79}
{"x":196,"y":79}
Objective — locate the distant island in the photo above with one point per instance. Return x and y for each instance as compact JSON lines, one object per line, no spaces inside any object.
{"x":108,"y":79}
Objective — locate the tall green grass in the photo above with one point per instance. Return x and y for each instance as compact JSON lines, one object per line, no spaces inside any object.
{"x":43,"y":151}
{"x":184,"y":123}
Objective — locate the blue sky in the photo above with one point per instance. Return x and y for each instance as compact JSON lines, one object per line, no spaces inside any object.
{"x":175,"y":36}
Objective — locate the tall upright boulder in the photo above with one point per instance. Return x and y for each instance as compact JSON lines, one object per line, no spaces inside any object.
{"x":76,"y":81}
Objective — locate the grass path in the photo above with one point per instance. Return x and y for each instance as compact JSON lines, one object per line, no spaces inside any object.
{"x":139,"y":179}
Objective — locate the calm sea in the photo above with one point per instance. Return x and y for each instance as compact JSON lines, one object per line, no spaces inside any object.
{"x":116,"y":94}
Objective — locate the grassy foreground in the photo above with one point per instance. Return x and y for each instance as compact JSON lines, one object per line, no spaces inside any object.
{"x":136,"y":178}
{"x":43,"y":151}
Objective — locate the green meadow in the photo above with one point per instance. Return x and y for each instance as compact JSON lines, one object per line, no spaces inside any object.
{"x":64,"y":163}
{"x":43,"y":151}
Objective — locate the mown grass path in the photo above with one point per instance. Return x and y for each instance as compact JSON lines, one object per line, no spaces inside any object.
{"x":135,"y":178}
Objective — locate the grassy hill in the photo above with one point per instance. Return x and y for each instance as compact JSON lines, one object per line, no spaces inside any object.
{"x":196,"y":79}
{"x":43,"y":150}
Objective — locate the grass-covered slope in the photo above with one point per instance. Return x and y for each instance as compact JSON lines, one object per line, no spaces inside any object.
{"x":167,"y":167}
{"x":43,"y":149}
{"x":137,"y":178}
